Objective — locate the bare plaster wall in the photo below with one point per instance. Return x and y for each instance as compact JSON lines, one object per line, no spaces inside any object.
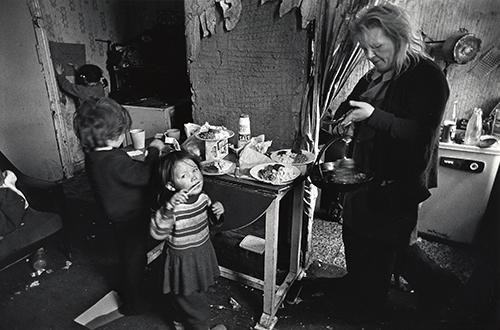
{"x":27,"y":134}
{"x":258,"y":68}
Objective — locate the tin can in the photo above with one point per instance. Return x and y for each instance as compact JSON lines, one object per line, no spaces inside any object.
{"x":448,"y":132}
{"x":244,"y":130}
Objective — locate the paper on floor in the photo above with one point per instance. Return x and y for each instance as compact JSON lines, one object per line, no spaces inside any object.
{"x":254,"y":244}
{"x":134,"y":153}
{"x":102,"y":312}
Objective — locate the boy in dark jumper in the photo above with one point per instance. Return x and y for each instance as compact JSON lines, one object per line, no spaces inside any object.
{"x":121,"y":186}
{"x":89,"y":83}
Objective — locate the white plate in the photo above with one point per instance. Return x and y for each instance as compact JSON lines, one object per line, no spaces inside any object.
{"x":228,"y":135}
{"x":227,"y":167}
{"x":286,"y":156}
{"x":292,"y":170}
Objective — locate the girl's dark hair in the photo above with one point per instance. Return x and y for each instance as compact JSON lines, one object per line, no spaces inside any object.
{"x":99,"y":120}
{"x":166,"y":170}
{"x":88,"y":73}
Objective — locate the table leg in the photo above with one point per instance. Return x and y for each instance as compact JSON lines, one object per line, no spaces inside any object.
{"x":296,"y":238}
{"x":268,"y":318}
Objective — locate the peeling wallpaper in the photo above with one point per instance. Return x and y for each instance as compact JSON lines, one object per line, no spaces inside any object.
{"x":81,"y":22}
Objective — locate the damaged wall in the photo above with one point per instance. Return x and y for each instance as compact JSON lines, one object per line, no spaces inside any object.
{"x":27,"y":134}
{"x":258,"y":68}
{"x":439,"y":19}
{"x":81,"y":22}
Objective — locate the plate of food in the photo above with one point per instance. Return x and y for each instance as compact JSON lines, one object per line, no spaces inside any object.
{"x":275,"y":173}
{"x":287,"y":156}
{"x":213,"y":133}
{"x":217,"y":167}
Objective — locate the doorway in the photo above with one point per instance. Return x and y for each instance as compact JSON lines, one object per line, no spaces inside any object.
{"x":148,"y":67}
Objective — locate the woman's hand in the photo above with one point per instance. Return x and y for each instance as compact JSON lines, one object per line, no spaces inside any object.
{"x":360,"y":111}
{"x":218,"y":209}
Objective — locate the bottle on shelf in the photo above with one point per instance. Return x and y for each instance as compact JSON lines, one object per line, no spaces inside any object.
{"x":449,"y":125}
{"x":244,"y":133}
{"x":474,"y":128}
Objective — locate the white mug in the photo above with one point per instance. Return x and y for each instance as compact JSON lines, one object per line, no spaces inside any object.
{"x":138,"y":138}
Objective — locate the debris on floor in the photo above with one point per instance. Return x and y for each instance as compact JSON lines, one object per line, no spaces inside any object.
{"x":68,"y":265}
{"x":234,"y":304}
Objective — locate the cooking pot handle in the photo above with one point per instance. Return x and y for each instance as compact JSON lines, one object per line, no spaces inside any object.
{"x":322,"y":151}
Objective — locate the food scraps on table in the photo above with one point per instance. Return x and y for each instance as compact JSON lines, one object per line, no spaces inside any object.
{"x":289,"y":157}
{"x":276,"y":173}
{"x":220,"y":166}
{"x":210,"y":132}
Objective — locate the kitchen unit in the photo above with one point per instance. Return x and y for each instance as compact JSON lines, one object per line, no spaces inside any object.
{"x":465,"y":179}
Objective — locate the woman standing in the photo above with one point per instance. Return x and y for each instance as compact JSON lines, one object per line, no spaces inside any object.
{"x":396,"y":110}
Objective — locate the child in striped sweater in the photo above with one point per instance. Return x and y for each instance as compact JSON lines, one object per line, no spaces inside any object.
{"x":183,"y":222}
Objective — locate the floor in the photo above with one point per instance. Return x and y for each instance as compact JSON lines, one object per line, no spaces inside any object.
{"x":53,"y":299}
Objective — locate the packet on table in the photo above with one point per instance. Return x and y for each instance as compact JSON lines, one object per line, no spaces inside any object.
{"x":254,"y":153}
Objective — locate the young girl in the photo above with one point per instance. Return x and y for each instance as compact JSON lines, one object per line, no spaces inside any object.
{"x":183,"y":222}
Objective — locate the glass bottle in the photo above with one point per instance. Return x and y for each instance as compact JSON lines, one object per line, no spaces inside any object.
{"x":39,"y":260}
{"x":449,"y":126}
{"x":244,"y":132}
{"x":474,"y":128}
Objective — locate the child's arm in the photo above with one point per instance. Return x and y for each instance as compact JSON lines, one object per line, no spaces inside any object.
{"x":161,"y":224}
{"x":66,"y":86}
{"x":216,"y":214}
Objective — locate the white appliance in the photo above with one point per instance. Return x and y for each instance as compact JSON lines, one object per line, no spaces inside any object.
{"x":465,"y":179}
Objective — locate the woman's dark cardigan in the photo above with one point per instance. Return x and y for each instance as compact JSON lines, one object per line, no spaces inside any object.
{"x":406,"y":126}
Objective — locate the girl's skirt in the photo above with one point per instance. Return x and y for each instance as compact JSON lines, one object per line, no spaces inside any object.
{"x":191,"y":270}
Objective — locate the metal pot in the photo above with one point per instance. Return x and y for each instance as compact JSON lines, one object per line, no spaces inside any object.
{"x":326,"y":175}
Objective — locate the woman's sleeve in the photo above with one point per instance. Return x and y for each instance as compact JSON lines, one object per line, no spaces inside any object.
{"x":425,"y":103}
{"x":344,"y":107}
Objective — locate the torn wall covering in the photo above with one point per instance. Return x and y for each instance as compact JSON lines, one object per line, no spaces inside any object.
{"x":258,"y":68}
{"x":81,"y":22}
{"x":202,"y":17}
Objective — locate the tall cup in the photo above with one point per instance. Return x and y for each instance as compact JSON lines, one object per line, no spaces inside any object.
{"x":138,"y":138}
{"x":447,"y":131}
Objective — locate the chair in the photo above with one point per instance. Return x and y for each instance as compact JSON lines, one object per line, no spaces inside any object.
{"x":43,"y":219}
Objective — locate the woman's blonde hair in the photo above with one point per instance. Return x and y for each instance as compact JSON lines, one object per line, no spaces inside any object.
{"x":396,"y":24}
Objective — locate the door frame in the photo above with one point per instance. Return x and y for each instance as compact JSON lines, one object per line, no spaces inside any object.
{"x":49,"y":75}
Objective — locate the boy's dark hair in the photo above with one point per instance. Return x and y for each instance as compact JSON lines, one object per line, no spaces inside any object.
{"x":166,"y":169}
{"x":99,"y":120}
{"x":87,"y":74}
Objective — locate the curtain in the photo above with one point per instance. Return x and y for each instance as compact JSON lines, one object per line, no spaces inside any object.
{"x":334,"y":58}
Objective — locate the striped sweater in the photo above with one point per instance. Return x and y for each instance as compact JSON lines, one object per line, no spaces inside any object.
{"x":191,"y":224}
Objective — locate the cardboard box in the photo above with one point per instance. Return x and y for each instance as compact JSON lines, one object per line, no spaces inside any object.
{"x":216,"y":149}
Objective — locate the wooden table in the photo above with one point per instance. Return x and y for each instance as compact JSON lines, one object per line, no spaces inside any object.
{"x":239,"y":196}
